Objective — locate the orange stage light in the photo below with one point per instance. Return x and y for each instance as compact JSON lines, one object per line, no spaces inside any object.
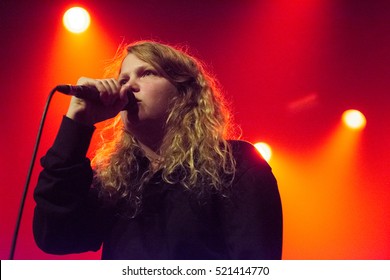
{"x":76,"y":19}
{"x":265,"y":150}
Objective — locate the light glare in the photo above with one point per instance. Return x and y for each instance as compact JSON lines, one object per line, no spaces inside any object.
{"x":76,"y":20}
{"x":354,"y":119}
{"x":265,"y":150}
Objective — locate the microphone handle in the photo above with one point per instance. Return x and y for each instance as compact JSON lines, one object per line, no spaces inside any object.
{"x":83,"y":92}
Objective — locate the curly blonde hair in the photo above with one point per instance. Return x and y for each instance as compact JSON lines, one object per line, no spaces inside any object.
{"x":195,"y":150}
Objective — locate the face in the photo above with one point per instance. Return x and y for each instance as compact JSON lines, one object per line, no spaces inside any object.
{"x":152,"y":91}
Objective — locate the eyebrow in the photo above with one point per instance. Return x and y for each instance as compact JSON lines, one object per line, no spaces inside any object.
{"x":140,"y":68}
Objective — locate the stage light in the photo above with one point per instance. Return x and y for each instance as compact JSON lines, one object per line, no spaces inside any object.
{"x":354,"y":119}
{"x":76,"y":20}
{"x":265,"y":150}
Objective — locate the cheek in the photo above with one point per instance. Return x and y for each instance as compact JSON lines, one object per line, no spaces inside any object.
{"x":163,"y":94}
{"x":170,"y":92}
{"x":159,"y":108}
{"x":169,"y":96}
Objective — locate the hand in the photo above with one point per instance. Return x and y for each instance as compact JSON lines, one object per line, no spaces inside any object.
{"x":112,"y":100}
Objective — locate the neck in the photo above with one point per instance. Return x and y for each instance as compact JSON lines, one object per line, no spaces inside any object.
{"x":149,"y":134}
{"x":150,"y":153}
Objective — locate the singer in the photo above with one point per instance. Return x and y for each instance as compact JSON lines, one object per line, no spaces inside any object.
{"x":168,"y":181}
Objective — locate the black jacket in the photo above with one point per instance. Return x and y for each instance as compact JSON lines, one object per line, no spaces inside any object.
{"x":173,"y":224}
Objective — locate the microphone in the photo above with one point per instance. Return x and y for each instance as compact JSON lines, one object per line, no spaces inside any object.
{"x":92,"y":94}
{"x":83,"y":92}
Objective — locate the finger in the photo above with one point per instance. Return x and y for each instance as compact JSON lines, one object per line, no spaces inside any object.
{"x":114,"y":85}
{"x":84,"y":81}
{"x":108,"y":91}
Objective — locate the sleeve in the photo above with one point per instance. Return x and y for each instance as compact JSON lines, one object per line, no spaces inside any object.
{"x":252,"y":218}
{"x":68,"y":217}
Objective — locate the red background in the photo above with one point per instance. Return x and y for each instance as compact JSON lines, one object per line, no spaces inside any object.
{"x":290,"y":69}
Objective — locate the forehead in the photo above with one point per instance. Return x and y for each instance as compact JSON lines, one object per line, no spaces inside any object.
{"x":131,"y":62}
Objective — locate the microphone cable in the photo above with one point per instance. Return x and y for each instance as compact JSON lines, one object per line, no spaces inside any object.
{"x":25,"y":189}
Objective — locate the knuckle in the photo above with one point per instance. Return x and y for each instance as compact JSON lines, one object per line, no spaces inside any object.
{"x":82,"y":80}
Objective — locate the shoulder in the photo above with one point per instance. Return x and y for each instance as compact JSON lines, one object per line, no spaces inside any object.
{"x":247,"y":156}
{"x":254,"y":182}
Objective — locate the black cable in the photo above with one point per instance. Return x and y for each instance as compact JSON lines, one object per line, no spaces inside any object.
{"x":25,"y":190}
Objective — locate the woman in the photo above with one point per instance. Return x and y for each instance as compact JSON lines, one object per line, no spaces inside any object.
{"x":169,"y":185}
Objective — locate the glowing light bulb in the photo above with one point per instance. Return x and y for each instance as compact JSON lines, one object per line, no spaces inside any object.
{"x":265,"y":150}
{"x":354,"y":119}
{"x":76,"y":20}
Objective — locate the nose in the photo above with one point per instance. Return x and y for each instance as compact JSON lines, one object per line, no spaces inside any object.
{"x":132,"y":85}
{"x":129,"y":91}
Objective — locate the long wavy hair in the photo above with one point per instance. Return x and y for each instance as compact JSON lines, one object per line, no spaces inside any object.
{"x":194,"y":151}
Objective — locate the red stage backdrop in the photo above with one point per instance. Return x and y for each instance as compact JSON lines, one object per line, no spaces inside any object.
{"x":290,"y":69}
